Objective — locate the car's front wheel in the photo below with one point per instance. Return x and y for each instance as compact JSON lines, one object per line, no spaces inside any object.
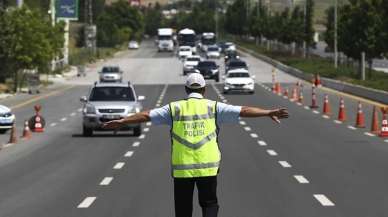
{"x":137,"y":131}
{"x":86,"y":131}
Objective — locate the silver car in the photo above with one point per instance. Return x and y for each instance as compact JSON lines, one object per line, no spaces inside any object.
{"x":110,"y":101}
{"x":111,"y":74}
{"x":7,"y":119}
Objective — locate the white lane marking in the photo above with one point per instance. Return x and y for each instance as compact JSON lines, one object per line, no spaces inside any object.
{"x":106,"y":181}
{"x":7,"y":145}
{"x":325,"y":116}
{"x":247,"y":129}
{"x":243,"y":123}
{"x":285,"y":164}
{"x":87,"y":202}
{"x":285,"y":97}
{"x":369,"y":134}
{"x":337,"y":122}
{"x":254,"y":135}
{"x":148,"y":124}
{"x":301,"y":179}
{"x":224,"y":101}
{"x":386,"y":140}
{"x":53,"y":124}
{"x":272,"y":152}
{"x":128,"y":154}
{"x":323,"y":200}
{"x":352,"y":128}
{"x":73,"y":114}
{"x":119,"y":165}
{"x":316,"y":112}
{"x":262,"y":143}
{"x":142,"y":136}
{"x":63,"y":119}
{"x":79,"y":110}
{"x":158,"y":105}
{"x":146,"y":129}
{"x":307,"y":108}
{"x":299,"y":104}
{"x":136,"y":144}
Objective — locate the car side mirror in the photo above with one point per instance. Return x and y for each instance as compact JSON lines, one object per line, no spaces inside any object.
{"x":83,"y":99}
{"x":141,"y":98}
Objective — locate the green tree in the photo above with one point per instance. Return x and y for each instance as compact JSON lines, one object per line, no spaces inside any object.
{"x":308,"y":27}
{"x":153,"y":19}
{"x":329,"y":33}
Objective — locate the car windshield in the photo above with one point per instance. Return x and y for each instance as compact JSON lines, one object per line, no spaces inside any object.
{"x":207,"y":64}
{"x":212,"y":49}
{"x":237,"y":64}
{"x":112,"y":94}
{"x":238,"y":75}
{"x":184,"y":49}
{"x":110,"y":69}
{"x":192,"y":59}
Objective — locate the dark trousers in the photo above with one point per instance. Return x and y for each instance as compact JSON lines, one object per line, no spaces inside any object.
{"x":207,"y":195}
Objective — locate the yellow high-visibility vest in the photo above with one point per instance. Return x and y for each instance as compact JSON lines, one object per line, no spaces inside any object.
{"x":195,"y":151}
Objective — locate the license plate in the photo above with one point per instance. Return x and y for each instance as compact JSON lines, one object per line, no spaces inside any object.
{"x":111,"y":116}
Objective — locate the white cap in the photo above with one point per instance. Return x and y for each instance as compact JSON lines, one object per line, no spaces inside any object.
{"x":195,"y":81}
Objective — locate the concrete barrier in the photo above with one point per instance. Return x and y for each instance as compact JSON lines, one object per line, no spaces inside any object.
{"x":357,"y":90}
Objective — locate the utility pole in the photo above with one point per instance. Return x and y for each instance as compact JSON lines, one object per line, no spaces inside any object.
{"x":336,"y":34}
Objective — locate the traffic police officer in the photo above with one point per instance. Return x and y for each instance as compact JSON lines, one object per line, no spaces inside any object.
{"x":196,"y":157}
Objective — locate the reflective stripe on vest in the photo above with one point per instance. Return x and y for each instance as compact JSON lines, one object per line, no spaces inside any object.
{"x":195,"y":150}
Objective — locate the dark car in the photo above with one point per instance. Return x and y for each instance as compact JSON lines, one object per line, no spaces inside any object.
{"x":209,"y":70}
{"x":230,"y":55}
{"x":235,"y":64}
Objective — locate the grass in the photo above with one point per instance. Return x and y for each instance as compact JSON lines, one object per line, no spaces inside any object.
{"x":80,"y":56}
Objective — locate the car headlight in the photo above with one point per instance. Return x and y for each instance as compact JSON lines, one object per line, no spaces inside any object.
{"x":214,"y":71}
{"x":90,"y":109}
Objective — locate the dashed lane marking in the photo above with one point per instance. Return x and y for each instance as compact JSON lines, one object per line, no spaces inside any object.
{"x":337,"y":122}
{"x":301,"y":179}
{"x":262,"y":143}
{"x":325,"y":116}
{"x":386,"y":140}
{"x":323,"y":200}
{"x":53,"y":124}
{"x":247,"y":129}
{"x":307,"y":108}
{"x":352,"y":128}
{"x":87,"y":202}
{"x":148,"y":124}
{"x":158,"y":105}
{"x":79,"y":110}
{"x":136,"y":144}
{"x":146,"y":129}
{"x":73,"y":114}
{"x":224,"y":101}
{"x":369,"y":134}
{"x":272,"y":152}
{"x":285,"y":164}
{"x":63,"y":119}
{"x":119,"y":165}
{"x":106,"y":181}
{"x":254,"y":135}
{"x":128,"y":154}
{"x":142,"y":136}
{"x":316,"y":112}
{"x":243,"y":123}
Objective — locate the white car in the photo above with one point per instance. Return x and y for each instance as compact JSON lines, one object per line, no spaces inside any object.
{"x":184,"y":51}
{"x":7,"y":119}
{"x":213,"y":52}
{"x":190,"y":64}
{"x":239,"y":80}
{"x":229,"y":46}
{"x":111,"y":74}
{"x":133,"y":45}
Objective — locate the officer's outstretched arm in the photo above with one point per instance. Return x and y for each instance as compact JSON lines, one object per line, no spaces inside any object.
{"x":274,"y":114}
{"x":134,"y":119}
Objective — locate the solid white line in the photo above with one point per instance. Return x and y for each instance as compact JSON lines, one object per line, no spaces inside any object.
{"x":301,"y":179}
{"x":352,"y":128}
{"x":323,"y":200}
{"x":146,"y":129}
{"x":142,"y":136}
{"x":254,"y":135}
{"x":369,"y":134}
{"x":119,"y":165}
{"x":73,"y":114}
{"x":262,"y":143}
{"x":247,"y":129}
{"x":148,"y":124}
{"x":128,"y":154}
{"x":307,"y":108}
{"x":285,"y":164}
{"x":87,"y":202}
{"x":63,"y":119}
{"x":136,"y":144}
{"x":106,"y":181}
{"x":53,"y":124}
{"x":337,"y":122}
{"x":325,"y":116}
{"x":243,"y":123}
{"x":272,"y":152}
{"x":316,"y":112}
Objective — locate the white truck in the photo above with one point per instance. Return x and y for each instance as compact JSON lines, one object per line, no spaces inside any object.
{"x":165,"y":39}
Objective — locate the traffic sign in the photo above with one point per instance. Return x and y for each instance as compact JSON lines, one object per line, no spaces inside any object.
{"x":67,"y":9}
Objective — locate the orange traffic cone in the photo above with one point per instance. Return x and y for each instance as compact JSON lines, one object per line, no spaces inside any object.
{"x":26,"y":131}
{"x":360,"y":120}
{"x":326,"y":106}
{"x":341,"y":113}
{"x":384,"y":126}
{"x":300,"y":99}
{"x":314,"y":104}
{"x":12,"y":137}
{"x":317,"y":80}
{"x":375,"y":122}
{"x":294,"y":96}
{"x":278,"y":89}
{"x":285,"y":93}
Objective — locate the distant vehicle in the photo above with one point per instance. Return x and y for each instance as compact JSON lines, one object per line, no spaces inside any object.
{"x":235,"y":64}
{"x":207,"y":39}
{"x":190,"y":64}
{"x":209,"y":70}
{"x":187,"y":37}
{"x":111,"y":74}
{"x":213,"y":52}
{"x":110,"y":101}
{"x":133,"y":45}
{"x":7,"y":119}
{"x":222,"y":46}
{"x":184,"y":51}
{"x":239,"y":80}
{"x":230,"y":46}
{"x":165,"y":39}
{"x":229,"y":55}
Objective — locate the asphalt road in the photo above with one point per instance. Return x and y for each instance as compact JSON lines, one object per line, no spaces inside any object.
{"x":306,"y":166}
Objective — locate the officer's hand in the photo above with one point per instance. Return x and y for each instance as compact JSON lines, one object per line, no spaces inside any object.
{"x":111,"y":125}
{"x":277,"y":114}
